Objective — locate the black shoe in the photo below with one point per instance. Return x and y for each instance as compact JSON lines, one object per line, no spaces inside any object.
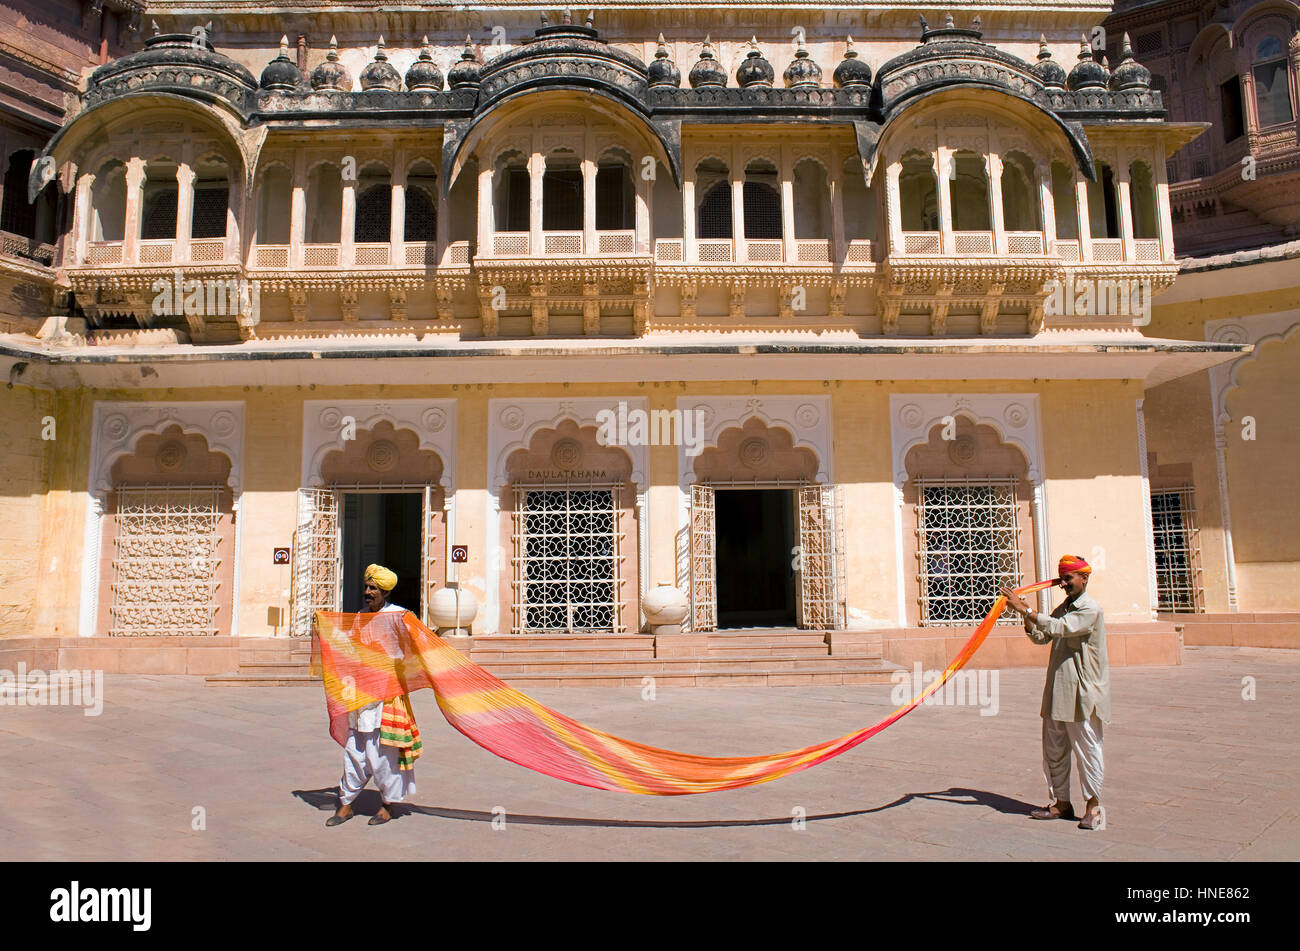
{"x":333,"y":821}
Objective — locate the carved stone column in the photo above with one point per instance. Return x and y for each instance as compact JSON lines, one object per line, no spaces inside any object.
{"x":297,"y":212}
{"x":1046,"y":204}
{"x":787,"y":207}
{"x":894,"y":206}
{"x":1124,"y":204}
{"x":348,"y":226}
{"x":943,"y":168}
{"x":1081,"y":209}
{"x":83,"y":216}
{"x":134,"y":199}
{"x":397,"y":213}
{"x":997,"y":218}
{"x":738,"y":216}
{"x":184,"y":212}
{"x":1164,"y":215}
{"x":588,"y":206}
{"x":838,"y":245}
{"x":690,"y":253}
{"x":486,"y":224}
{"x":536,"y":169}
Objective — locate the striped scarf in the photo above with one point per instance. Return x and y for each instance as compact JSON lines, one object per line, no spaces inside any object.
{"x":397,"y":728}
{"x":517,"y":728}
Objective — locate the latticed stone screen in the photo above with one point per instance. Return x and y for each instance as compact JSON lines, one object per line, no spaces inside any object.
{"x":567,"y":561}
{"x":968,"y":546}
{"x":1178,"y":555}
{"x":165,"y":560}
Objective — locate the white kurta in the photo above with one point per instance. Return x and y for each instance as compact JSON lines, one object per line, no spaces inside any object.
{"x":365,"y":758}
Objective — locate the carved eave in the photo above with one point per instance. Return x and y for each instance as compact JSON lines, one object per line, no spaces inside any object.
{"x":1174,"y":135}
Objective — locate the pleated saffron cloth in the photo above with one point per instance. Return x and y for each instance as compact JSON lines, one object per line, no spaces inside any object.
{"x":370,"y":657}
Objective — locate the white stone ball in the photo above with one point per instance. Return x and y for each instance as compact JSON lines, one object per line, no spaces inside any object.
{"x":442,"y":607}
{"x":665,"y":605}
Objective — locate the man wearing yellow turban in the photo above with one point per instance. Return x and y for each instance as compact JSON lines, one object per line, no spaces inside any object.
{"x":1076,"y":697}
{"x":368,"y":753}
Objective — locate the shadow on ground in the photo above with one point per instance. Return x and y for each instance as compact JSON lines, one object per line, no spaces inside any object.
{"x":367,"y":804}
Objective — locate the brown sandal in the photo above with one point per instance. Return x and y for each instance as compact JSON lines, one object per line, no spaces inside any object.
{"x":1050,"y":812}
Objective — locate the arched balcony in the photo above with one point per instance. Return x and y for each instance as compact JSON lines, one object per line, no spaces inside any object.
{"x":1010,"y":203}
{"x":577,"y":199}
{"x":159,"y":210}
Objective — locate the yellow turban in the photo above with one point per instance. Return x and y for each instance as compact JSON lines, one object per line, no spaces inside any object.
{"x":384,"y":579}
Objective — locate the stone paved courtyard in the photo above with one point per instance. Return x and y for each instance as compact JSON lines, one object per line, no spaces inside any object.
{"x":1194,"y":771}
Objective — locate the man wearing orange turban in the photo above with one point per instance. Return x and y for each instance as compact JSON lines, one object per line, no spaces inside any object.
{"x":367,"y":754}
{"x":1076,"y":697}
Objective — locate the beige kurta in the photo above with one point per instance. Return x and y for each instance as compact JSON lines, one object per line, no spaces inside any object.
{"x":1078,"y":677}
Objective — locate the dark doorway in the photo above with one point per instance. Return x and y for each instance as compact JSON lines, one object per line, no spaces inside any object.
{"x":755,"y":557}
{"x":383,"y":528}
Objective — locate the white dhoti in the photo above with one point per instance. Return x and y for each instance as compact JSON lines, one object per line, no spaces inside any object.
{"x":365,"y":758}
{"x":1083,"y":739}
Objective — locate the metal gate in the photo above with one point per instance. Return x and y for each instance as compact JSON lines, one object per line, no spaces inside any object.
{"x":704,"y":564}
{"x":821,"y":586}
{"x":317,"y":565}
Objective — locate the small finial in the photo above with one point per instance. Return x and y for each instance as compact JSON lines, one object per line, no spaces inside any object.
{"x":591,"y":19}
{"x":425,"y":53}
{"x":662,"y":52}
{"x":976,"y":22}
{"x":379,"y":52}
{"x":567,"y":18}
{"x":1085,"y":51}
{"x":849,"y":51}
{"x":948,"y":23}
{"x":284,"y":46}
{"x":157,"y":30}
{"x":546,"y":21}
{"x":924,"y":26}
{"x":333,"y":54}
{"x":707,"y":51}
{"x":1126,"y":48}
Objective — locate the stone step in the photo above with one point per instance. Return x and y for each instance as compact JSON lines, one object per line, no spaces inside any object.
{"x":605,"y":642}
{"x":274,"y":669}
{"x":715,"y":677}
{"x":262,"y":680}
{"x":669,"y":665}
{"x":481,"y":656}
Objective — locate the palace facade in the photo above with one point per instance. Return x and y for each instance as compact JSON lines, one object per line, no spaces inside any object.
{"x":801,"y":315}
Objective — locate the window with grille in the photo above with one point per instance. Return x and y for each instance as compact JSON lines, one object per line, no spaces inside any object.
{"x":209,"y":219}
{"x":421,"y":217}
{"x":968,"y":546}
{"x":562,"y":199}
{"x":374,"y":215}
{"x":165,"y":560}
{"x":159,"y":218}
{"x":1178,"y":551}
{"x":714,"y":217}
{"x":567,"y":561}
{"x":762,"y":211}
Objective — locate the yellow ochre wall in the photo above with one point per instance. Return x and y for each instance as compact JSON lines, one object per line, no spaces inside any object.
{"x":1261,"y":473}
{"x":1093,"y":491}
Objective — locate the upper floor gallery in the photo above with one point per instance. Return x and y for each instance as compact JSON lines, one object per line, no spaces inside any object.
{"x":567,"y":186}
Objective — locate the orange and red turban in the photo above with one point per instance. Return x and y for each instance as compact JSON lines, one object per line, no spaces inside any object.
{"x":1073,"y":564}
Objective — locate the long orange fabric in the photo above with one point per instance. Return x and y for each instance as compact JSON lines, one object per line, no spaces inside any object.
{"x":371,"y":657}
